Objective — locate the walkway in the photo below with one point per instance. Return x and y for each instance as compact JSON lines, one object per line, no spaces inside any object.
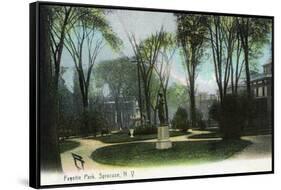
{"x":256,"y":157}
{"x":260,"y":148}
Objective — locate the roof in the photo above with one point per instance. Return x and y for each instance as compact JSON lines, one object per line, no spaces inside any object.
{"x":260,"y":76}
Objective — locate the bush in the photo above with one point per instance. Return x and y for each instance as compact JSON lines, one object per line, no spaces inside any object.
{"x":214,"y":111}
{"x":231,"y":115}
{"x":98,"y":123}
{"x":68,"y":126}
{"x":145,"y":130}
{"x":180,"y":119}
{"x":200,"y":123}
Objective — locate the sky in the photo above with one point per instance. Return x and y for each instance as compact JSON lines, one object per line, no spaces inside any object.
{"x":142,"y":24}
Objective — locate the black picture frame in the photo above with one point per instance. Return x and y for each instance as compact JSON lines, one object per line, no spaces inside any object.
{"x":34,"y":96}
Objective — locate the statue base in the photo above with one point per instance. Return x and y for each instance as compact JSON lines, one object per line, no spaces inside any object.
{"x":163,"y":141}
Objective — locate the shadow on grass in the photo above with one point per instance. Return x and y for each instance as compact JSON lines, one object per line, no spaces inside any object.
{"x":67,"y":145}
{"x":182,"y":152}
{"x":206,"y":135}
{"x":124,"y":137}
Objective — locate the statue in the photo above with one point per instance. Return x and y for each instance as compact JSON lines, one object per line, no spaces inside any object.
{"x":163,"y":141}
{"x":161,"y":109}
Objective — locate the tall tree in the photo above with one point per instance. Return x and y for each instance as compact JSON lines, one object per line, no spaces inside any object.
{"x":226,"y":50}
{"x":49,"y":150}
{"x":177,"y":96}
{"x":122,"y":87}
{"x":146,"y":53}
{"x":191,"y":35}
{"x":84,"y":44}
{"x":229,"y":36}
{"x":155,"y":89}
{"x":237,"y":66}
{"x":62,"y":20}
{"x":253,"y":32}
{"x":163,"y":67}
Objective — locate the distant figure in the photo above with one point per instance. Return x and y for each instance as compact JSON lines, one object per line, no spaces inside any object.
{"x":161,"y":109}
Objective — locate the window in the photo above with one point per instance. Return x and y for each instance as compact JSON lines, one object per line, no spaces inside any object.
{"x":259,"y":91}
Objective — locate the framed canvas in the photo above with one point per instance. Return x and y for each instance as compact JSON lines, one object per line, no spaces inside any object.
{"x":121,"y":94}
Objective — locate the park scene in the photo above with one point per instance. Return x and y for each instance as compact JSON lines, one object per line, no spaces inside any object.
{"x":157,"y":94}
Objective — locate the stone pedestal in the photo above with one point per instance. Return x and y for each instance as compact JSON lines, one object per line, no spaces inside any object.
{"x":163,"y":141}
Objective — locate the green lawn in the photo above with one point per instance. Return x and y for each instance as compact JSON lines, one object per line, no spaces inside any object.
{"x":124,"y":137}
{"x":183,"y":152}
{"x":67,"y":145}
{"x":217,"y":134}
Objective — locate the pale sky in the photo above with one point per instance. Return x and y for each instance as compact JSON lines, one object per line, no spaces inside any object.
{"x":142,"y":24}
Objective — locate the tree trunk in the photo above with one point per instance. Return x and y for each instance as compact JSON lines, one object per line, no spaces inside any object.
{"x":86,"y":128}
{"x":49,"y":142}
{"x":191,"y":71}
{"x":166,"y":106}
{"x":192,"y":105}
{"x":148,"y":110}
{"x":118,"y":111}
{"x":244,"y":32}
{"x":140,"y":95}
{"x":247,"y":69}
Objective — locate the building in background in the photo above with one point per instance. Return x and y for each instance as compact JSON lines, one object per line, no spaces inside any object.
{"x":261,"y":85}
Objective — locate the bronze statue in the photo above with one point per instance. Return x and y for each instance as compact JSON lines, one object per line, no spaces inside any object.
{"x":161,"y":109}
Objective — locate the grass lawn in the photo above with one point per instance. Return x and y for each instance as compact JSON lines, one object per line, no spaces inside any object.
{"x":183,"y":152}
{"x":217,"y":134}
{"x":124,"y":137}
{"x":67,"y":145}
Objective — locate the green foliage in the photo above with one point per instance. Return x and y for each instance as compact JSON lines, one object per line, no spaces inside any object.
{"x":155,"y":87}
{"x":214,"y":111}
{"x":199,"y":120}
{"x":68,"y":126}
{"x":254,"y":33}
{"x":95,"y":20}
{"x":180,"y":120}
{"x":191,"y":37}
{"x":145,"y":130}
{"x":120,"y":75}
{"x":149,"y":48}
{"x":68,"y":145}
{"x":231,"y":114}
{"x":97,"y":122}
{"x":177,"y":95}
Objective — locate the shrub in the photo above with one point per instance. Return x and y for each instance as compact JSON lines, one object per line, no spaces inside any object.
{"x":180,"y":119}
{"x":199,"y":120}
{"x":97,"y":123}
{"x":214,"y":111}
{"x":145,"y":130}
{"x":68,"y":126}
{"x":231,"y":115}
